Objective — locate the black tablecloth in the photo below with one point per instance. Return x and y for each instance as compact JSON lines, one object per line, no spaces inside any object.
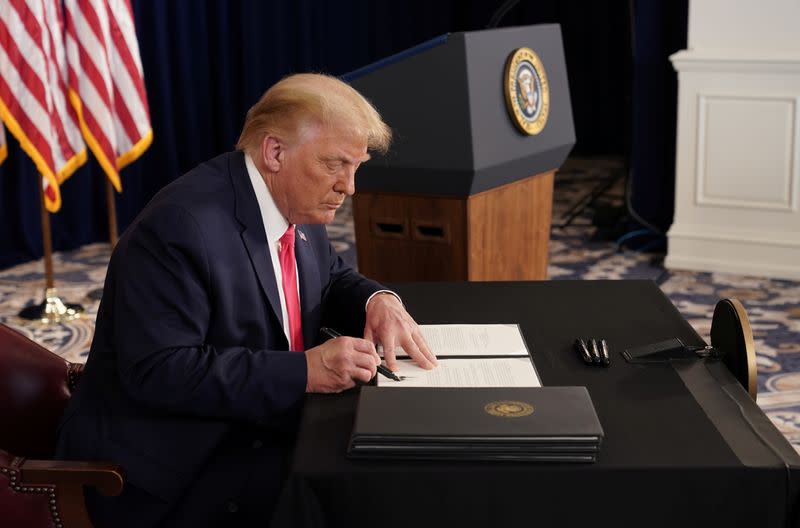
{"x":684,"y":445}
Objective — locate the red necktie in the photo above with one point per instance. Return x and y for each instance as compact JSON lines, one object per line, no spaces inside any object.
{"x":289,"y":279}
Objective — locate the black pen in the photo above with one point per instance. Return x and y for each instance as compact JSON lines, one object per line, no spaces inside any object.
{"x":604,"y":349}
{"x":330,"y":332}
{"x":595,"y":351}
{"x":583,"y":351}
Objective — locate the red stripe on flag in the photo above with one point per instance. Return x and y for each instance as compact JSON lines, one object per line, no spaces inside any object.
{"x":99,"y":134}
{"x":29,"y":20}
{"x":129,"y":8}
{"x":130,"y":64}
{"x":62,"y":87}
{"x":87,"y":66}
{"x":64,"y":145}
{"x":49,"y":192}
{"x":32,"y":81}
{"x":90,"y":16}
{"x":34,"y":135}
{"x":124,"y":115}
{"x":93,"y":74}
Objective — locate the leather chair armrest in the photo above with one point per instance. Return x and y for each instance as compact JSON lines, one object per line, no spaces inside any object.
{"x":69,"y":478}
{"x":106,"y":478}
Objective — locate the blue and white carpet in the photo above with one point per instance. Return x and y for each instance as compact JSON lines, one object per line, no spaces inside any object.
{"x":772,"y":305}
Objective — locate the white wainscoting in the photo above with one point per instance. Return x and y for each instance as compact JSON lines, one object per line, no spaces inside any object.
{"x":763,"y":129}
{"x":737,"y":188}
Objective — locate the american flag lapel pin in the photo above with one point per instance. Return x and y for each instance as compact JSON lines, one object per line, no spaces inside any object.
{"x":302,"y":235}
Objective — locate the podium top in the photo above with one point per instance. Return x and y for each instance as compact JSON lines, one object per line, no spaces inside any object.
{"x":397,"y":57}
{"x":445,"y":100}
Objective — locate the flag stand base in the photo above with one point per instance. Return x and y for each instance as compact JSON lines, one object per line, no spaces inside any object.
{"x":53,"y":310}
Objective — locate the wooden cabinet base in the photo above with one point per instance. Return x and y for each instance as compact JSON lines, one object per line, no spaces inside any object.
{"x":499,"y":234}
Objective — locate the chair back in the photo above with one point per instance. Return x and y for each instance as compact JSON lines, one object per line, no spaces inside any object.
{"x":35,"y":386}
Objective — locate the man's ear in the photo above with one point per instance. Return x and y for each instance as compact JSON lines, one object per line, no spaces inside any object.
{"x":272,"y":152}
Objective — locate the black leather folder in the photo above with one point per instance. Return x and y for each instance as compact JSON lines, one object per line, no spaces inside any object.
{"x":555,"y":424}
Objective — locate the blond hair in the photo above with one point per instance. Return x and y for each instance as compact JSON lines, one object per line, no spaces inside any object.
{"x":306,"y":98}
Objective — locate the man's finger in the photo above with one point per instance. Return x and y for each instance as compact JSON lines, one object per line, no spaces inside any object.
{"x":364,"y":375}
{"x":364,"y":346}
{"x":388,"y":353}
{"x":367,"y":359}
{"x":419,"y":339}
{"x":416,"y":354}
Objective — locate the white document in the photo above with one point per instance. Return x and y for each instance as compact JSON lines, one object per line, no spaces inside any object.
{"x":479,"y":340}
{"x":488,"y":372}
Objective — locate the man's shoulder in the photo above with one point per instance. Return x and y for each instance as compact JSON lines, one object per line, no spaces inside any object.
{"x":208,"y":182}
{"x":211,"y":174}
{"x":222,"y":164}
{"x":205,"y":194}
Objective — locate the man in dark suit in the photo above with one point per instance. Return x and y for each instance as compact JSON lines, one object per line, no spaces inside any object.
{"x":204,"y":344}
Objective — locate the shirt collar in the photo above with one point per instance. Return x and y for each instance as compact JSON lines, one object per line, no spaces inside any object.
{"x":275,"y":224}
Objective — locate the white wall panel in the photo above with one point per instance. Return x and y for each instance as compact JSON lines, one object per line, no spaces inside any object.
{"x":737,"y":170}
{"x":746,"y":151}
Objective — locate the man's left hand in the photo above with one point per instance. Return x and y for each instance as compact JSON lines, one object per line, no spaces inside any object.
{"x":390,"y":325}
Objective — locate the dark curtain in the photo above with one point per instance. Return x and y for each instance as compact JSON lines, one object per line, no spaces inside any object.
{"x":659,"y":31}
{"x":207,"y":61}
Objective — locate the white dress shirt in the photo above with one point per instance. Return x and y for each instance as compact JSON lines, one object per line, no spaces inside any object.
{"x":275,"y":225}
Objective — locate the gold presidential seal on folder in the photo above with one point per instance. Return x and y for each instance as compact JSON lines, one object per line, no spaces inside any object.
{"x":508,"y":408}
{"x":527,"y":91}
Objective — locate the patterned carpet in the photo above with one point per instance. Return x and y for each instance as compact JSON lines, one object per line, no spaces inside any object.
{"x":576,"y":253}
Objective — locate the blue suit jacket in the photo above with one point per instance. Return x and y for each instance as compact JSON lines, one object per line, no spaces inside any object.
{"x":189,"y":384}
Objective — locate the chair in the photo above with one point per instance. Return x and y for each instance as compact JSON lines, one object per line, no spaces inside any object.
{"x":732,"y":336}
{"x":35,"y":491}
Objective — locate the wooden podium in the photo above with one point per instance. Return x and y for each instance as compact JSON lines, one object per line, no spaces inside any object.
{"x":464,"y":194}
{"x":419,"y":237}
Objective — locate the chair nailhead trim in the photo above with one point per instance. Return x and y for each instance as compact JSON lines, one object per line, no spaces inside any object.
{"x":50,"y":490}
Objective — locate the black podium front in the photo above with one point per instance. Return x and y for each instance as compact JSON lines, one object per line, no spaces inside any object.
{"x":684,"y":443}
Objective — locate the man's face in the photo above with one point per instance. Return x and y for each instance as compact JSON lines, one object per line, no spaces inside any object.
{"x":316,"y":174}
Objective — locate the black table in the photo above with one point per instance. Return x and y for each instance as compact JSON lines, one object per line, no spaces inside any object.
{"x":684,"y":444}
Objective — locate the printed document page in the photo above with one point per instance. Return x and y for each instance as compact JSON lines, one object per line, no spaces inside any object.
{"x":490,"y":372}
{"x":478,"y":340}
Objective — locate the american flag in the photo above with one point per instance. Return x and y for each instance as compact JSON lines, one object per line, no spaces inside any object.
{"x":33,"y":91}
{"x":107,"y":82}
{"x":70,"y":71}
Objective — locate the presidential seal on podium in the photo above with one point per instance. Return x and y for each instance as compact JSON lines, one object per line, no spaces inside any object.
{"x":527,"y":91}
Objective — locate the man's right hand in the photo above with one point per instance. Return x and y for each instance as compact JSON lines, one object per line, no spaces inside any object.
{"x":339,"y":363}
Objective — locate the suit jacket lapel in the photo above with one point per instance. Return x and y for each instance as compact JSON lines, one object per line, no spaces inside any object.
{"x":310,"y":287}
{"x":253,"y":235}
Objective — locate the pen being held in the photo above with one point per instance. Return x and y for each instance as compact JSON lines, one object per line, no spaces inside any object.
{"x":380,"y":368}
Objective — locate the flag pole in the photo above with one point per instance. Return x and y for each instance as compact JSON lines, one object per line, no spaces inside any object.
{"x":113,"y":235}
{"x":47,"y":242}
{"x":53,"y":309}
